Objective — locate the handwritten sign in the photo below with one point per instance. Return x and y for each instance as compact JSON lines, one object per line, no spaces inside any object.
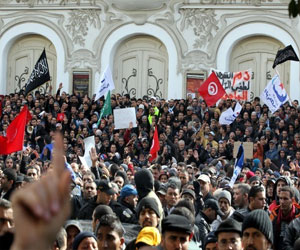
{"x":236,"y":84}
{"x":248,"y":149}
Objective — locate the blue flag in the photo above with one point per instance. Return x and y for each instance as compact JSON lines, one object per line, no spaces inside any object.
{"x":238,"y":165}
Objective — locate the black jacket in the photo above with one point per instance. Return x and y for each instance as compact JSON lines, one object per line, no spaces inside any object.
{"x":124,"y":211}
{"x":203,"y":224}
{"x":292,"y":234}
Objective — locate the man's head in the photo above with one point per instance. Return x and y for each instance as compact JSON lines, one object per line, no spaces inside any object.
{"x":89,"y":190}
{"x":98,"y":212}
{"x":172,"y":195}
{"x":210,"y":241}
{"x":148,"y":212}
{"x":224,"y":199}
{"x":105,"y":191}
{"x":33,"y":172}
{"x":129,"y":195}
{"x":8,"y":179}
{"x":257,"y":198}
{"x":211,"y":209}
{"x":229,"y":233}
{"x":240,"y":196}
{"x":176,"y":232}
{"x":204,"y":182}
{"x":257,"y":231}
{"x":73,"y":228}
{"x":85,"y":240}
{"x":110,"y":233}
{"x":286,"y":199}
{"x":6,"y":216}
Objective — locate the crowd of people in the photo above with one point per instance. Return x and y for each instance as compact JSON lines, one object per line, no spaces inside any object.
{"x":180,"y":200}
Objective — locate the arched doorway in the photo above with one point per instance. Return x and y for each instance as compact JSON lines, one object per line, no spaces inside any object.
{"x":141,"y":67}
{"x":258,"y":53}
{"x":22,"y":57}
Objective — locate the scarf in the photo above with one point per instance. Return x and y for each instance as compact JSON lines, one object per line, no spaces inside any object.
{"x":288,"y":218}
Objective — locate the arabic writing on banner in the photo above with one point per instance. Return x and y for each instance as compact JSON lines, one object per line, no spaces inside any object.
{"x":236,"y":84}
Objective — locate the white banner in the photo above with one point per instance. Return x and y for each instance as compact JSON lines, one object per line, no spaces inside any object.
{"x":274,"y":95}
{"x":228,"y":116}
{"x":106,"y":84}
{"x":236,"y":84}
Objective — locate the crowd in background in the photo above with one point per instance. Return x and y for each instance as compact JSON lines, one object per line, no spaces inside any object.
{"x":189,"y":178}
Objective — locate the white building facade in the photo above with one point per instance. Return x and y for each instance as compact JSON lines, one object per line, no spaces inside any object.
{"x":152,"y":47}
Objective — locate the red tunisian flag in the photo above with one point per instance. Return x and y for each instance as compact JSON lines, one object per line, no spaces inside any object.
{"x":211,"y":90}
{"x":14,"y":139}
{"x":155,"y":146}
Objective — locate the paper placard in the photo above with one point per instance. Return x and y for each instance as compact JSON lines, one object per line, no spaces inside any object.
{"x":248,"y":149}
{"x":89,"y":142}
{"x":123,"y":117}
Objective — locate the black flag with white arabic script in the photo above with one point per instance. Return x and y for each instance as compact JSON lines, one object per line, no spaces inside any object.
{"x":40,"y":74}
{"x":286,"y":54}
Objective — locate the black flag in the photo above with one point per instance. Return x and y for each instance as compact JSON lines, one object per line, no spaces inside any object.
{"x":288,"y":53}
{"x":40,"y":74}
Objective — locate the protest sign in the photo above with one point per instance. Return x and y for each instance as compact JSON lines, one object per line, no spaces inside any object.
{"x":236,"y":84}
{"x":123,"y":117}
{"x":248,"y":149}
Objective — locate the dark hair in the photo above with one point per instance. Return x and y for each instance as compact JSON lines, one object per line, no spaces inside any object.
{"x":184,"y":211}
{"x":112,"y":221}
{"x":288,"y":189}
{"x":187,"y":204}
{"x":255,"y":190}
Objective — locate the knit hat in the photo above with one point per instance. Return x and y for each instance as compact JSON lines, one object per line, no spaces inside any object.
{"x":144,"y":182}
{"x":147,"y":202}
{"x":225,"y":194}
{"x":229,"y":225}
{"x":177,"y":223}
{"x":80,"y":237}
{"x":149,"y":235}
{"x":260,"y":220}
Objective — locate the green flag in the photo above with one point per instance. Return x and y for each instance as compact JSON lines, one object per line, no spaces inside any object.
{"x":106,"y":109}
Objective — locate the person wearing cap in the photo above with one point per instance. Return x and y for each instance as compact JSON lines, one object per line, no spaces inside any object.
{"x":254,"y":181}
{"x":110,"y":233}
{"x":148,"y":212}
{"x":224,"y":200}
{"x":204,"y":182}
{"x":148,"y":236}
{"x":210,"y":242}
{"x":210,"y":139}
{"x":188,"y":194}
{"x":272,"y":153}
{"x":206,"y":216}
{"x":7,"y":181}
{"x":85,"y":240}
{"x":105,"y":191}
{"x":72,"y":228}
{"x":270,"y":190}
{"x":257,"y":231}
{"x":99,"y":211}
{"x":280,"y":182}
{"x":229,"y":235}
{"x":177,"y":232}
{"x":127,"y":203}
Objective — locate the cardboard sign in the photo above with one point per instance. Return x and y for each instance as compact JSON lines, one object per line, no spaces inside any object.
{"x":248,"y":149}
{"x":123,"y":117}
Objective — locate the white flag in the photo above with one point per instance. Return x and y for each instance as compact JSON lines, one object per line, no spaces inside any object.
{"x":274,"y":95}
{"x":228,"y":116}
{"x":106,"y":84}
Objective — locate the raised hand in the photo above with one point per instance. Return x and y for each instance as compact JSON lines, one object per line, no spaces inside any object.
{"x":41,"y":208}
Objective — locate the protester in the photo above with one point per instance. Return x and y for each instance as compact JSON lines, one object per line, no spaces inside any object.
{"x":195,"y":158}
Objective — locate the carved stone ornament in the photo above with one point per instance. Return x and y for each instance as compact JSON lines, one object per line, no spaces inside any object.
{"x":32,"y":3}
{"x":137,"y":5}
{"x":79,"y":23}
{"x":203,"y":23}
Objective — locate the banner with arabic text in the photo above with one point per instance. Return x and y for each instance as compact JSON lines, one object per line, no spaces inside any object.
{"x":236,"y":84}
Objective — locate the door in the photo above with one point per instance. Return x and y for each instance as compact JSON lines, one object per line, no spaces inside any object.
{"x":140,"y":68}
{"x":23,"y":56}
{"x":258,"y":54}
